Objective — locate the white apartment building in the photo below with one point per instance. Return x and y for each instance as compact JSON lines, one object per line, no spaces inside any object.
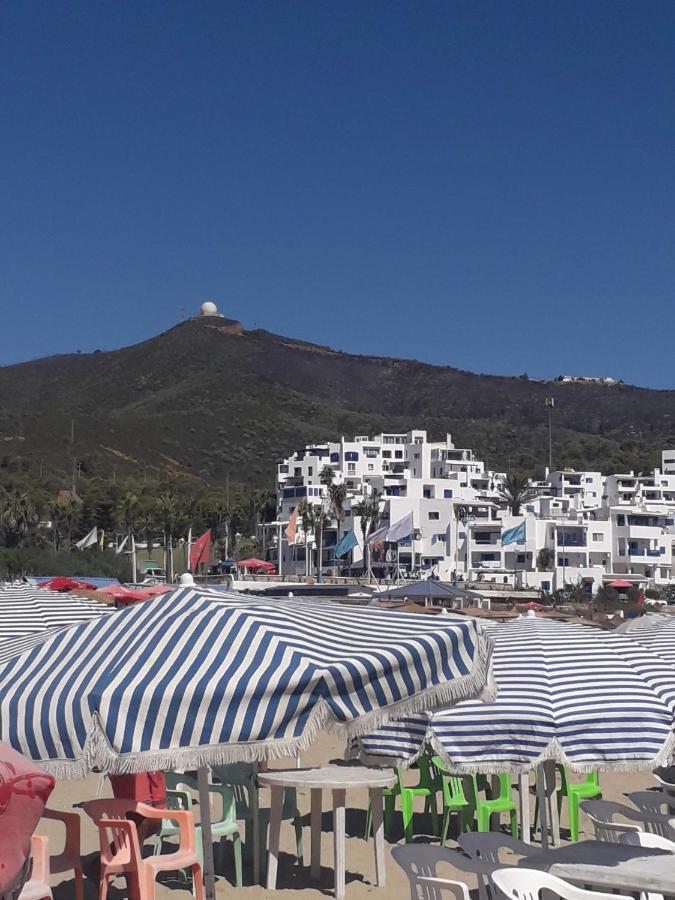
{"x":583,"y":526}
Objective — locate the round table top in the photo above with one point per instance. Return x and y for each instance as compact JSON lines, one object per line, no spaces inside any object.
{"x":329,"y":777}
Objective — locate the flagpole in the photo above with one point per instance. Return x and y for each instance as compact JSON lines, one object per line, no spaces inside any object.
{"x":189,"y":550}
{"x":134,"y":576}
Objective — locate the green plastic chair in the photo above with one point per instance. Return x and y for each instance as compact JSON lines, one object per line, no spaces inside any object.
{"x":484,"y":808}
{"x":576,"y":791}
{"x":241,"y":778}
{"x":427,"y":787}
{"x":226,"y":826}
{"x":454,"y":800}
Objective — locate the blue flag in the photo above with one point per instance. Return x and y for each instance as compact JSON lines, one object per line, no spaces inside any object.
{"x":347,"y":543}
{"x":515,"y":535}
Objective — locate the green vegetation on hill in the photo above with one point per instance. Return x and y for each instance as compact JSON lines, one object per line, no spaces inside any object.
{"x":200,"y":403}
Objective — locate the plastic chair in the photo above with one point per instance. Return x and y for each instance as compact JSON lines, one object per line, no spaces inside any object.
{"x":653,"y":802}
{"x":487,"y":846}
{"x":420,"y":863}
{"x":454,"y":800}
{"x":527,"y":884}
{"x":645,"y":839}
{"x":485,"y":808}
{"x":226,"y":826}
{"x":37,"y":887}
{"x":241,"y":778}
{"x":70,"y":857}
{"x":603,"y":813}
{"x":575,"y":792}
{"x":426,"y":787}
{"x":121,"y":850}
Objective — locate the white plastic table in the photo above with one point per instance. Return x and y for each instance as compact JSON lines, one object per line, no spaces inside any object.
{"x":338,"y":779}
{"x":618,"y":866}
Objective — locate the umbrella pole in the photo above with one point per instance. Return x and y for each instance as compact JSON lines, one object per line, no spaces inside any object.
{"x":207,"y":838}
{"x":543,"y":811}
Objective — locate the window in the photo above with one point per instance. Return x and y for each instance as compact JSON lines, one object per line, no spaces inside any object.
{"x":620,"y":520}
{"x":351,"y":456}
{"x":370,"y":467}
{"x":447,"y":494}
{"x":310,"y":470}
{"x":297,"y":471}
{"x":398,"y":454}
{"x":589,"y":481}
{"x":597,"y":535}
{"x":386,"y":454}
{"x":433,"y":516}
{"x":440,"y":537}
{"x":427,"y":493}
{"x":335,"y":457}
{"x":351,"y":468}
{"x":347,"y":513}
{"x":521,"y":558}
{"x":563,"y":561}
{"x":546,"y":585}
{"x":417,"y":456}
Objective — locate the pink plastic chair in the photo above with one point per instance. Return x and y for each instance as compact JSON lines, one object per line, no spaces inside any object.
{"x":70,"y":858}
{"x":38,"y":886}
{"x":121,"y":850}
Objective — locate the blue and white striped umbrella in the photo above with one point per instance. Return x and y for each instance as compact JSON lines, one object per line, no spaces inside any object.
{"x":654,"y":631}
{"x":192,"y":678}
{"x":585,"y":698}
{"x":27,"y":611}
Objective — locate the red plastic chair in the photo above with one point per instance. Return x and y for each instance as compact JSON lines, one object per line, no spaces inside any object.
{"x":70,"y":858}
{"x":121,"y":849}
{"x":37,"y":888}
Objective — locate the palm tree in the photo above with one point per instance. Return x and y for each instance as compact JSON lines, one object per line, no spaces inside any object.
{"x":516,"y":490}
{"x":307,"y":515}
{"x":368,"y":510}
{"x":18,"y":516}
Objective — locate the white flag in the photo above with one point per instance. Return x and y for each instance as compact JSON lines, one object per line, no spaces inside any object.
{"x":122,"y":545}
{"x":89,"y":540}
{"x":401,"y":530}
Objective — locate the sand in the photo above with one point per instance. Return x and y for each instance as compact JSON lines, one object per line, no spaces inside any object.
{"x":294,"y":880}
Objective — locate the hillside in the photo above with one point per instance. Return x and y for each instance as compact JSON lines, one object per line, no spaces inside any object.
{"x":204,"y":399}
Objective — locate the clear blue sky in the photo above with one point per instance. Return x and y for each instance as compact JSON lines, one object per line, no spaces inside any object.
{"x":486,"y":185}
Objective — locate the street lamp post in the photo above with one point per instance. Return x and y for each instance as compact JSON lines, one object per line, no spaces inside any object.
{"x":550,"y":404}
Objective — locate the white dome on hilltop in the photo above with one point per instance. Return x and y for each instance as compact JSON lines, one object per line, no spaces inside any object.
{"x":209,"y":308}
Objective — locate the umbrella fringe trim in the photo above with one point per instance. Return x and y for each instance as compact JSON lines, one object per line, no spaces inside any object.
{"x":554,"y":751}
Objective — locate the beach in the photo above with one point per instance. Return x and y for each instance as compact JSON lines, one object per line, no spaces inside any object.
{"x":294,"y":880}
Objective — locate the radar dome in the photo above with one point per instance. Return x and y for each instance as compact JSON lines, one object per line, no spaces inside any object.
{"x":209,"y":308}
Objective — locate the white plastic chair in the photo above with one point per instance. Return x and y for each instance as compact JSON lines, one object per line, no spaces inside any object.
{"x":527,"y":884}
{"x":487,"y":845}
{"x":602,"y":814}
{"x":645,"y":839}
{"x":37,"y":888}
{"x":653,"y":802}
{"x":420,"y":863}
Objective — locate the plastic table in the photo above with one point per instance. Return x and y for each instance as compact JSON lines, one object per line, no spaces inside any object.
{"x":617,"y":866}
{"x":338,"y":779}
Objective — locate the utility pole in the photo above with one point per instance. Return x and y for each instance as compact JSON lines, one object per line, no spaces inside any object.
{"x":550,"y":404}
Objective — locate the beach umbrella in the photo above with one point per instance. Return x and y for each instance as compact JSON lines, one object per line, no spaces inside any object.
{"x":429,"y":590}
{"x":585,"y":698}
{"x":63,"y":585}
{"x":26,"y":610}
{"x":655,"y":632}
{"x":24,"y":791}
{"x":194,"y":678}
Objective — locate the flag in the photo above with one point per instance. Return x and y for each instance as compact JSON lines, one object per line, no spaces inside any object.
{"x":122,"y":545}
{"x":347,"y":543}
{"x":641,"y":597}
{"x":292,"y":527}
{"x":515,"y":535}
{"x":379,"y":535}
{"x":401,"y":529}
{"x":89,"y":540}
{"x":201,"y":550}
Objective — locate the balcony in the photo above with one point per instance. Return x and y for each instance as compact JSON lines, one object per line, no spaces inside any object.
{"x":571,"y":541}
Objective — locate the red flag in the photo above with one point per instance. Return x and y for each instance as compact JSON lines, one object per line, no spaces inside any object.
{"x":201,"y":550}
{"x":641,"y":598}
{"x":292,"y":527}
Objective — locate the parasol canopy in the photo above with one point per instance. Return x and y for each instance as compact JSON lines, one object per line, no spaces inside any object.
{"x":193,"y":678}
